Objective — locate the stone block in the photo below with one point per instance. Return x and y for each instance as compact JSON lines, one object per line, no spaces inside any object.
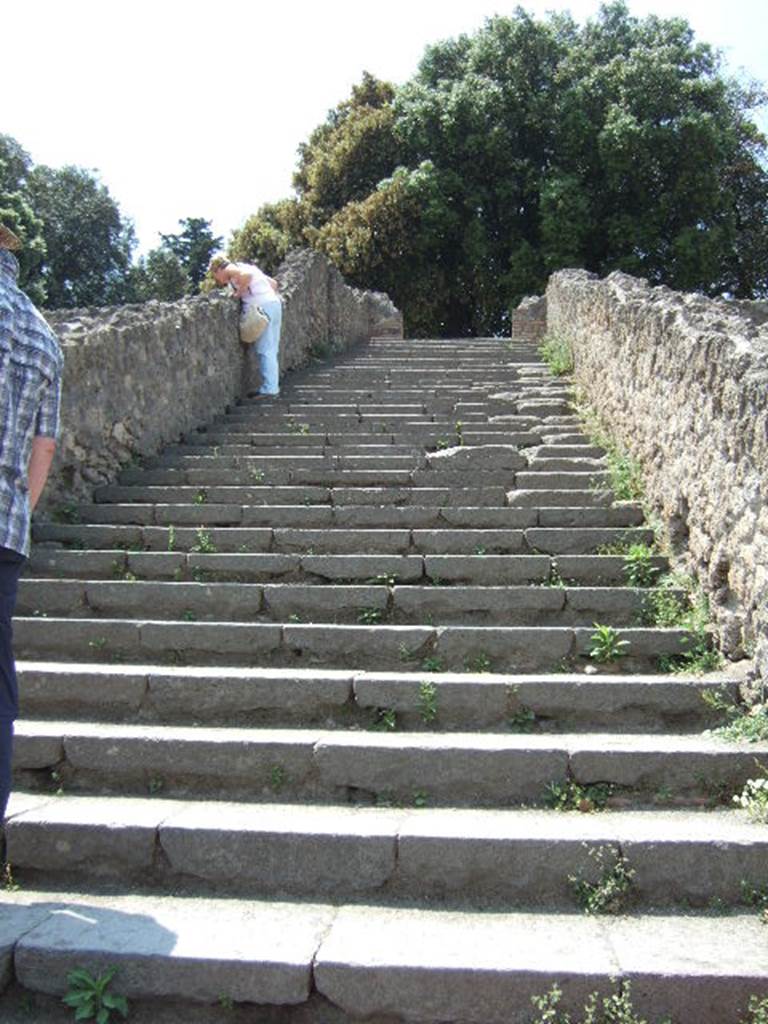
{"x":327,"y":604}
{"x":342,"y":541}
{"x":201,"y":693}
{"x":207,"y":638}
{"x":192,"y":950}
{"x":485,"y":770}
{"x":500,"y":457}
{"x":503,"y":649}
{"x":302,"y":850}
{"x":98,"y":835}
{"x":468,"y":542}
{"x":488,"y":570}
{"x":355,"y":646}
{"x":442,"y":965}
{"x":78,"y":688}
{"x":404,"y":568}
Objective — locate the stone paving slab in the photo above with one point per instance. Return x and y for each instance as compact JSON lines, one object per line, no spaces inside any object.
{"x":194,"y":950}
{"x":484,"y":969}
{"x":554,"y":498}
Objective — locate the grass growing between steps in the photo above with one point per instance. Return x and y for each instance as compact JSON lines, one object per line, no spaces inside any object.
{"x":742,"y":722}
{"x":612,"y":890}
{"x":557,"y":354}
{"x":615,"y":1008}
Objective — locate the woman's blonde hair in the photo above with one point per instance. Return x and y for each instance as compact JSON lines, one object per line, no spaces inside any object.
{"x":217,"y":263}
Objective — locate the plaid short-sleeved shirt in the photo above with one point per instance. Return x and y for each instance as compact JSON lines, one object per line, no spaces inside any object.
{"x":30,"y":393}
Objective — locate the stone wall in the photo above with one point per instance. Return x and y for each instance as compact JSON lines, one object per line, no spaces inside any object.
{"x":529,"y":320}
{"x":682,"y":383}
{"x":138,"y":377}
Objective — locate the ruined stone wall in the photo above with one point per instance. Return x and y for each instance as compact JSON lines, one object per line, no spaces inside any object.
{"x":529,"y":320}
{"x":682,"y":383}
{"x":138,"y":377}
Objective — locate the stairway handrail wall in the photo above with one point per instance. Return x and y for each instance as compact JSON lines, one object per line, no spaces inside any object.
{"x":682,"y":380}
{"x":138,"y":377}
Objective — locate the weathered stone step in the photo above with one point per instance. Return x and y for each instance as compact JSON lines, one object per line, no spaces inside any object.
{"x":484,"y":570}
{"x":372,"y":646}
{"x":535,"y":540}
{"x":255,"y":461}
{"x":261,"y":696}
{"x":545,"y":497}
{"x":524,"y":857}
{"x":316,"y":495}
{"x":561,"y":481}
{"x":449,"y":769}
{"x":313,"y":602}
{"x":387,"y":516}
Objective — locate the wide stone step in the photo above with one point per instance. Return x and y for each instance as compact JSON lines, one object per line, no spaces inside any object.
{"x":314,"y":516}
{"x":316,"y":495}
{"x":380,"y":646}
{"x":314,"y":602}
{"x":519,"y":857}
{"x":435,"y":769}
{"x":415,"y":700}
{"x":211,"y":539}
{"x":440,"y":570}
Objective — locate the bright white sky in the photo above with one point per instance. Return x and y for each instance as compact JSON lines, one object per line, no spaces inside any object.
{"x":191,"y":109}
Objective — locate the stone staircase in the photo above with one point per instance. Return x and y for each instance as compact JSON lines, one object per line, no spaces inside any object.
{"x":299,"y":695}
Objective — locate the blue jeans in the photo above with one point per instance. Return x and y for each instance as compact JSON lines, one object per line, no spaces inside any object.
{"x":11,"y":563}
{"x":267,"y":348}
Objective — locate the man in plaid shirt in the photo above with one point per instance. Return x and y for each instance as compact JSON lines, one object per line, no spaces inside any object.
{"x":30,"y":391}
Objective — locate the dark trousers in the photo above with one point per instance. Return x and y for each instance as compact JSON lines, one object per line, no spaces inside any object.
{"x":11,"y":563}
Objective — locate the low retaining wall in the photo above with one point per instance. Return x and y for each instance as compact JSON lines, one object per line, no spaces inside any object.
{"x":139,"y":377}
{"x":682,"y":383}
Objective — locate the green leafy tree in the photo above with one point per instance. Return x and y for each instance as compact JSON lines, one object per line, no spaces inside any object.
{"x":530,"y":146}
{"x":268,"y":236}
{"x":16,"y":212}
{"x":88,"y":242}
{"x":159,"y":275}
{"x":348,"y":155}
{"x":193,"y":247}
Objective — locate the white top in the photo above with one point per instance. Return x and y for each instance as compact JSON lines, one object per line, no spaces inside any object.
{"x":259,"y":289}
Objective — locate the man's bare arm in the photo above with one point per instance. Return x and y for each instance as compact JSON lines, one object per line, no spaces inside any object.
{"x":40,"y":460}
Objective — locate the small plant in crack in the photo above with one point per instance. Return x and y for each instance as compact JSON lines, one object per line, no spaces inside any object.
{"x":607,"y":644}
{"x":572,"y":796}
{"x":384,"y":720}
{"x":204,"y":543}
{"x":638,"y":566}
{"x":90,"y":997}
{"x":370,"y":616}
{"x":742,"y":722}
{"x":432,"y":664}
{"x":8,"y":882}
{"x":523,"y":720}
{"x":614,"y":887}
{"x":427,"y":701}
{"x":615,"y":1008}
{"x":554,"y":579}
{"x":755,"y":896}
{"x":478,"y":663}
{"x":754,"y":799}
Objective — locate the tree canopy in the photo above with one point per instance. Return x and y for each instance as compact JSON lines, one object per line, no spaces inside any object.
{"x":88,"y":242}
{"x":527,"y":147}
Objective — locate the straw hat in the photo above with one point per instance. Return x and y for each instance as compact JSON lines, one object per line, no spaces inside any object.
{"x":7,"y":238}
